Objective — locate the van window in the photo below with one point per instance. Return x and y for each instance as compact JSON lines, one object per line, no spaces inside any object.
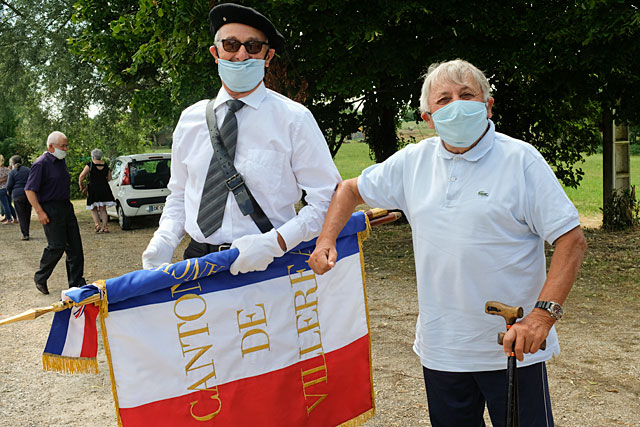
{"x":150,"y":174}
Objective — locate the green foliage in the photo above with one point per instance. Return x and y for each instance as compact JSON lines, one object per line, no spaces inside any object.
{"x":622,"y":211}
{"x":554,"y":66}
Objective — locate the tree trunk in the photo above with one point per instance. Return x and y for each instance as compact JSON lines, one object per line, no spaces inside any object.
{"x":607,"y":157}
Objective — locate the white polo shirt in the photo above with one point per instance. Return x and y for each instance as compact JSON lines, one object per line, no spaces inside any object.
{"x":479,"y":221}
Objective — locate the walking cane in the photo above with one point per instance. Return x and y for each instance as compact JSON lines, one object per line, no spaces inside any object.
{"x":510,"y":314}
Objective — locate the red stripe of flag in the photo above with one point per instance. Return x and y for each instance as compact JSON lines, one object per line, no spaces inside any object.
{"x":337,"y":387}
{"x":90,"y":339}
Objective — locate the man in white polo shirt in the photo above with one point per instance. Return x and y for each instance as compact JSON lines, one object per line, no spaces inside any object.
{"x":481,"y":205}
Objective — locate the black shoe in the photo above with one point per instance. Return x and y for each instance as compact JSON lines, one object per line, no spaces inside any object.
{"x":42,"y":288}
{"x":25,"y":237}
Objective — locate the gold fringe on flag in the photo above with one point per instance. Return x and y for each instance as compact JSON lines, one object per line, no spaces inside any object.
{"x":364,"y":234}
{"x":69,"y":365}
{"x":104,"y":302}
{"x":360,"y":419}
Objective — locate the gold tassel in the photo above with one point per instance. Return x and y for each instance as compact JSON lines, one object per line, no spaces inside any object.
{"x":69,"y":365}
{"x":364,"y":234}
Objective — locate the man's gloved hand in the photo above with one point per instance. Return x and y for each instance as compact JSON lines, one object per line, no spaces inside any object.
{"x":256,"y":252}
{"x":63,"y":294}
{"x":159,"y":251}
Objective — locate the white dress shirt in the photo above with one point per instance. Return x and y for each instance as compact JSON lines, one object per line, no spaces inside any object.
{"x":280,"y":152}
{"x":479,"y":221}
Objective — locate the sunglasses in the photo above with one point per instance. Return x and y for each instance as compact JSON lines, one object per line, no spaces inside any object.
{"x":252,"y":46}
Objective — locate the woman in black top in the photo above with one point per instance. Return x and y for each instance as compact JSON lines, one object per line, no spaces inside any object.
{"x":99,"y":194}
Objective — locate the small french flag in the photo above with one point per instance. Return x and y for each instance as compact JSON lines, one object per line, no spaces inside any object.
{"x":73,"y":341}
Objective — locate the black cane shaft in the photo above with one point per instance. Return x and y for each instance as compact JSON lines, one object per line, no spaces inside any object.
{"x":512,"y":417}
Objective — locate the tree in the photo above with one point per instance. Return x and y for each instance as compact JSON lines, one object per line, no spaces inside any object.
{"x":357,"y":63}
{"x":44,"y":86}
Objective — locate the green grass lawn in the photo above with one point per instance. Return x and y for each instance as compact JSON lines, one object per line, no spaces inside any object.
{"x":588,"y":196}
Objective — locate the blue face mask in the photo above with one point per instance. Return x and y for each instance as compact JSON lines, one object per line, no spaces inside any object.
{"x":241,"y":76}
{"x":461,"y":123}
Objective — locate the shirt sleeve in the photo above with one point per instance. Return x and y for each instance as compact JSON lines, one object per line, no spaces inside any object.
{"x":11,"y":181}
{"x":172,"y":220}
{"x":35,"y":178}
{"x":548,"y":211}
{"x":317,"y":175}
{"x":382,"y":185}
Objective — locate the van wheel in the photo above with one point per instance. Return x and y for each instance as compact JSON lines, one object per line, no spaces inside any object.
{"x":123,"y":220}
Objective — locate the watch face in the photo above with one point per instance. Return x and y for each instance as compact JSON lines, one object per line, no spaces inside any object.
{"x":556,"y":310}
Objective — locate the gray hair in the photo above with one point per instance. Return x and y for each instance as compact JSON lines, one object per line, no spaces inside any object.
{"x":55,"y":137}
{"x":456,"y":71}
{"x":96,"y":154}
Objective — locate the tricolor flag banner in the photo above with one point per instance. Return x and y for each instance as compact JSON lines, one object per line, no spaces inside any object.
{"x":190,"y":344}
{"x":73,"y":341}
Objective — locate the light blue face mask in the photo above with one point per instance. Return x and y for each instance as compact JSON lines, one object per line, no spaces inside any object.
{"x":241,"y":76}
{"x":461,"y":123}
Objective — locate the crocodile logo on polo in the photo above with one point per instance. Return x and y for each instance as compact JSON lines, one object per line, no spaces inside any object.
{"x":483,"y":193}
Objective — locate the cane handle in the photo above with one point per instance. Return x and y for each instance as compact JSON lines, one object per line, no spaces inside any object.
{"x":509,"y":313}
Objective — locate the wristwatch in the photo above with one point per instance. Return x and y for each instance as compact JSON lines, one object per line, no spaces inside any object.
{"x":554,"y":309}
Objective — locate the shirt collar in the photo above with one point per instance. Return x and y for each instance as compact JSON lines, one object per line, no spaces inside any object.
{"x":51,"y":157}
{"x":253,"y":100}
{"x":476,"y":153}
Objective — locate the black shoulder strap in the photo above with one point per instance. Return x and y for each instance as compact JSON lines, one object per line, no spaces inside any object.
{"x":233,"y":180}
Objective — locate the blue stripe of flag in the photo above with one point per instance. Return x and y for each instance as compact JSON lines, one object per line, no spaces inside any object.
{"x":58,"y":335}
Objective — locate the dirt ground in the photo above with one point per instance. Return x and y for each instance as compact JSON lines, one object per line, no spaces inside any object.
{"x":595,"y":381}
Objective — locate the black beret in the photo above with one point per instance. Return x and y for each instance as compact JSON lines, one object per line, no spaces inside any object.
{"x":227,"y":13}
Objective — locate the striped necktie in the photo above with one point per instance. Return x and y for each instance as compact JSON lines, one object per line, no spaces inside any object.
{"x":214,"y":192}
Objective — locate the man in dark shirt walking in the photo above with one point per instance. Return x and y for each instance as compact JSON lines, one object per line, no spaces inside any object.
{"x":49,"y":192}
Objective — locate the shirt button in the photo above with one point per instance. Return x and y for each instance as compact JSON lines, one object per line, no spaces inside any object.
{"x":453,"y":179}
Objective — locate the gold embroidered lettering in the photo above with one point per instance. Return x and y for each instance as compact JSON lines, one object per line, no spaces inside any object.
{"x":257,"y":343}
{"x":186,"y":298}
{"x":308,"y":326}
{"x":312,"y":377}
{"x":175,"y":289}
{"x":186,"y":270}
{"x":216,"y":397}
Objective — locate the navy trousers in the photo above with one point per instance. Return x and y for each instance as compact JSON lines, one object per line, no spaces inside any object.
{"x":458,"y":398}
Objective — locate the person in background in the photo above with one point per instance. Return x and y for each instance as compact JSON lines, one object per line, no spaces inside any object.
{"x":99,"y":195}
{"x":273,"y":142}
{"x":5,"y":198}
{"x":481,"y":206}
{"x":49,"y":192}
{"x":15,"y":187}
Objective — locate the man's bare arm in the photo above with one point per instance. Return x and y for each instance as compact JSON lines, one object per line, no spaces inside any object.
{"x":529,"y":333}
{"x":344,"y":201}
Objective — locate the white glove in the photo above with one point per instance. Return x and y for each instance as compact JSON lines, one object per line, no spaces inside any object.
{"x":63,"y":294}
{"x":256,"y":252}
{"x":159,"y":251}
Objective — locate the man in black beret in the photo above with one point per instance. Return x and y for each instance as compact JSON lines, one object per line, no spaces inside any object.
{"x":272,"y":143}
